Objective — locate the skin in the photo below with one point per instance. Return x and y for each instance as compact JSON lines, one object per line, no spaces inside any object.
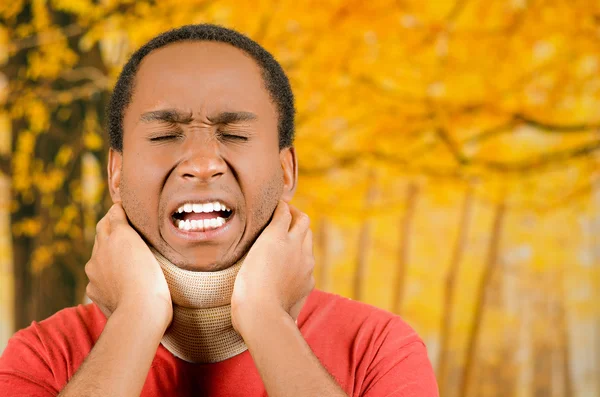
{"x":150,"y":179}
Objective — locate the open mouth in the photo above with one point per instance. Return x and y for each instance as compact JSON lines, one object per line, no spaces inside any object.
{"x":201,"y":217}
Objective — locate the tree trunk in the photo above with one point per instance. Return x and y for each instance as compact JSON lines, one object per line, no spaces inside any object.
{"x":323,"y":247}
{"x":22,"y":247}
{"x":564,"y":342}
{"x":7,"y":298}
{"x":542,"y":352}
{"x":404,"y":247}
{"x":450,"y":286}
{"x":481,"y":299}
{"x":364,"y":238}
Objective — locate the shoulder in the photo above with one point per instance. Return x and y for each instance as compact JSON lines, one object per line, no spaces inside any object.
{"x":333,"y":311}
{"x":370,"y":351}
{"x":50,"y":351}
{"x":70,"y":325}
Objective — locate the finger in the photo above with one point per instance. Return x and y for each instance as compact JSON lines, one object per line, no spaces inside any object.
{"x":116,"y":216}
{"x":92,"y":293}
{"x":89,"y":269}
{"x":281,"y":217}
{"x":307,"y":244}
{"x":311,"y":284}
{"x":95,"y":246}
{"x":98,"y":238}
{"x":103,"y":227}
{"x":300,"y":222}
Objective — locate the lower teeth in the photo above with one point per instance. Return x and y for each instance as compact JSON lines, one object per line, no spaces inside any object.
{"x":200,"y":224}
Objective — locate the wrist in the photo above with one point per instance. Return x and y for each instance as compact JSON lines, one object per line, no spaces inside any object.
{"x":254,"y":315}
{"x":155,"y":315}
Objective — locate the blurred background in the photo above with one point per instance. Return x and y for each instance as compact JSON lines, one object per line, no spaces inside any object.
{"x":449,"y":160}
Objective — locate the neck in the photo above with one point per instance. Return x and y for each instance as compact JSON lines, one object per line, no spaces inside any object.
{"x":201,"y":330}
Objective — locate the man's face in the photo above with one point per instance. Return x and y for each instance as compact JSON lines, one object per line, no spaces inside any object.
{"x":201,"y":129}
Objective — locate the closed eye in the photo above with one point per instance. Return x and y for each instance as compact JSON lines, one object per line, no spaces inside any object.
{"x":164,"y":138}
{"x":229,"y":136}
{"x":233,"y":137}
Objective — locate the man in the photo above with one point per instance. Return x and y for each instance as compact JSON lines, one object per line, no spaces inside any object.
{"x":201,"y":273}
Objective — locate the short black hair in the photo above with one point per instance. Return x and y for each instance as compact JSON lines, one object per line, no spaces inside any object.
{"x":275,"y":79}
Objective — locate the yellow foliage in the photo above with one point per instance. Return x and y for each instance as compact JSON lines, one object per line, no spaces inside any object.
{"x":41,"y":259}
{"x":10,"y":9}
{"x":92,"y":141}
{"x":27,"y":227}
{"x":51,"y":59}
{"x":64,"y":156}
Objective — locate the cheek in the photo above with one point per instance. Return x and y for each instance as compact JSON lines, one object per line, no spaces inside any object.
{"x":140,"y":195}
{"x":266,"y":195}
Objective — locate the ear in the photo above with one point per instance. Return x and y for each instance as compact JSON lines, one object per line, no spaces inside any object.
{"x":289,"y":165}
{"x":115,"y":161}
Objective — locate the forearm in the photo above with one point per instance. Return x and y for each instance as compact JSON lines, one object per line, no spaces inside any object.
{"x":286,"y":364}
{"x":119,"y":362}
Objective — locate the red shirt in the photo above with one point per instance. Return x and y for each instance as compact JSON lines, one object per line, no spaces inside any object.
{"x":370,"y":352}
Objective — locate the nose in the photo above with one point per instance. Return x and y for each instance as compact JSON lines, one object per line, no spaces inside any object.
{"x":203,"y":162}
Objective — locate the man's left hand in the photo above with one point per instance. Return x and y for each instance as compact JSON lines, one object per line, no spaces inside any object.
{"x":277,"y":274}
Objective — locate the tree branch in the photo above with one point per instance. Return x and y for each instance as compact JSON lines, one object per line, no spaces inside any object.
{"x":554,"y":128}
{"x":47,"y":37}
{"x":540,"y":126}
{"x":548,"y":159}
{"x":452,"y":148}
{"x":552,"y":158}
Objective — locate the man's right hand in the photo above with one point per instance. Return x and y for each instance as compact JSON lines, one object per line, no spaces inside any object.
{"x":123,"y":272}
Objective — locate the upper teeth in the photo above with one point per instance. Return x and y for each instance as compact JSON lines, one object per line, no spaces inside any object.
{"x":198,"y":208}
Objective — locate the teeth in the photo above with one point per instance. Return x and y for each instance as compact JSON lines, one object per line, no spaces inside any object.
{"x":201,"y":208}
{"x":200,"y":224}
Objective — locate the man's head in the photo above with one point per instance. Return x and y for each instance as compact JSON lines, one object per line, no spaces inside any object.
{"x":199,"y":115}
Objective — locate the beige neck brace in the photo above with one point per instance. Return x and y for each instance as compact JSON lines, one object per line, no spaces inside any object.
{"x":201,"y":331}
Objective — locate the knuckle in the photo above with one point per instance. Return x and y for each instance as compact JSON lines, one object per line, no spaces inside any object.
{"x":99,"y":225}
{"x":88,"y":267}
{"x":287,"y":214}
{"x":304,"y":219}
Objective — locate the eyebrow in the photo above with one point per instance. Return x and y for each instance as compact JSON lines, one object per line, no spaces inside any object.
{"x":232,"y":117}
{"x":175,"y":116}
